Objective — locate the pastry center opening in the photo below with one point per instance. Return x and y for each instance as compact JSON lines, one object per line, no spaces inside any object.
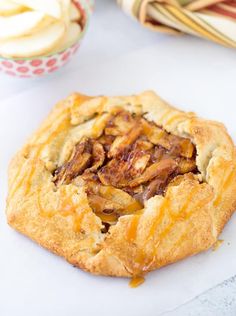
{"x":132,"y":161}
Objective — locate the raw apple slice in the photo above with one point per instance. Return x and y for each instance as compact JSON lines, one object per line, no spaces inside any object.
{"x":20,"y":24}
{"x":71,"y":36}
{"x":50,"y":7}
{"x":65,"y":9}
{"x":40,"y":43}
{"x":74,"y":13}
{"x":9,"y":8}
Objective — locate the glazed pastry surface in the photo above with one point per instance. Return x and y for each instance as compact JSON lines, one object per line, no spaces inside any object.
{"x":123,"y":185}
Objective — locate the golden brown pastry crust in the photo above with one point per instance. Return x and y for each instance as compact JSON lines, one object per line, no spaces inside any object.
{"x":185,"y":221}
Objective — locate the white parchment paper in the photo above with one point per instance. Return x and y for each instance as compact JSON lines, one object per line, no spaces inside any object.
{"x":35,"y":282}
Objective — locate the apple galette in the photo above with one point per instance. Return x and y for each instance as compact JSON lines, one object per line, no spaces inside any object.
{"x":123,"y":185}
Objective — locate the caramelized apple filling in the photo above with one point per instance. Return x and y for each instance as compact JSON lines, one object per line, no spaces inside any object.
{"x":132,"y":161}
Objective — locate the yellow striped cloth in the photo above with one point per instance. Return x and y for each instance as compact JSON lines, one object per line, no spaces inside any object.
{"x":212,"y":19}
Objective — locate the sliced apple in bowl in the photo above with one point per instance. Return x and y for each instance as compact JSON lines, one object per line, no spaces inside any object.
{"x":8,"y":8}
{"x":20,"y":24}
{"x":50,"y":7}
{"x":65,"y":10}
{"x":75,"y":14}
{"x":71,"y":36}
{"x":37,"y":37}
{"x":39,"y":43}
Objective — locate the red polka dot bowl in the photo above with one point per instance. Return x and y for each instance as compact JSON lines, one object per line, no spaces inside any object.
{"x":42,"y":65}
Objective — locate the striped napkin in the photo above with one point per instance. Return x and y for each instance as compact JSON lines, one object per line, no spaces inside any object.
{"x":211,"y":19}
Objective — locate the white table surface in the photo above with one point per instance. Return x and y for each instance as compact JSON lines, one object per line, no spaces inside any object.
{"x":112,"y":34}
